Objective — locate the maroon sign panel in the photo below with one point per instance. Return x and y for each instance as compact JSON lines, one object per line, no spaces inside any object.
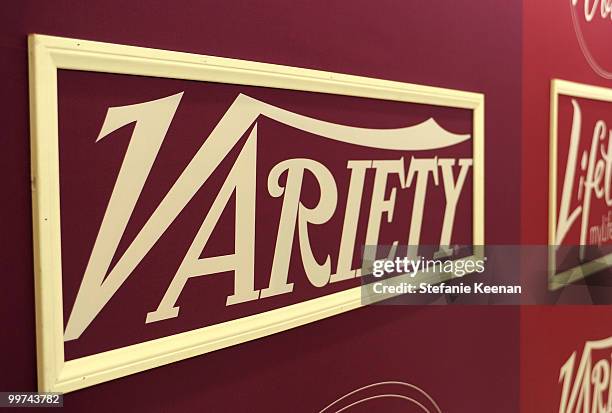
{"x":156,"y":233}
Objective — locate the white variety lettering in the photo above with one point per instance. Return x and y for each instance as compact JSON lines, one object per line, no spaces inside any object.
{"x":100,"y":281}
{"x":587,"y":389}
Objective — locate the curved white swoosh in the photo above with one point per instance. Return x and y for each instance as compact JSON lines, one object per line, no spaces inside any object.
{"x":423,"y":136}
{"x":386,"y":395}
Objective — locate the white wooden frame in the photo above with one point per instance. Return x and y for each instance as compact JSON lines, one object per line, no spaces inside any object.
{"x":579,"y":90}
{"x":47,"y":54}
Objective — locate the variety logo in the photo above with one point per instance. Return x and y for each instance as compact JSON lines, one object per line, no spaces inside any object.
{"x":285,"y":182}
{"x":586,"y":387}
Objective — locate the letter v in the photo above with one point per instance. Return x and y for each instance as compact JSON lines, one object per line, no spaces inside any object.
{"x":152,"y":122}
{"x":152,"y":119}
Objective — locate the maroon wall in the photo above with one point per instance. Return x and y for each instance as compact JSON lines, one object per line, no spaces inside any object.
{"x":465,"y":357}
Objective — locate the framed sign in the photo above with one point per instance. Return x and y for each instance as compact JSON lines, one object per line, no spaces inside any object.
{"x":185,"y":203}
{"x":580,"y":195}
